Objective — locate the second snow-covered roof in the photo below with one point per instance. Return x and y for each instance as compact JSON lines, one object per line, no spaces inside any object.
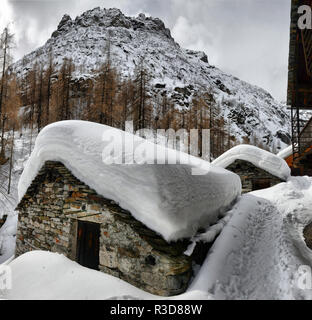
{"x":167,"y":198}
{"x":287,"y":152}
{"x":258,"y":157}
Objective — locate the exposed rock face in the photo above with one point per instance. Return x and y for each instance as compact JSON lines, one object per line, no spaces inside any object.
{"x":284,"y":137}
{"x":114,"y":18}
{"x":307,"y":233}
{"x":2,"y":220}
{"x":48,"y":219}
{"x":63,"y":26}
{"x":251,"y":175}
{"x":248,"y":109}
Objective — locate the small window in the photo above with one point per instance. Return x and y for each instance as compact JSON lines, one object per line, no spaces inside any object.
{"x":259,"y":184}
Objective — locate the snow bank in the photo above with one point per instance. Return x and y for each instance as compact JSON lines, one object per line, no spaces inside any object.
{"x":260,"y":251}
{"x":284,"y":154}
{"x":40,"y":275}
{"x":258,"y":157}
{"x":167,"y":198}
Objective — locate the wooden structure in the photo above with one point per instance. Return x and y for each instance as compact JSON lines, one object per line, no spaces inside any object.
{"x":300,"y":90}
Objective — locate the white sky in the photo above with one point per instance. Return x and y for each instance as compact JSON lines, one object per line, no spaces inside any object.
{"x":247,"y":38}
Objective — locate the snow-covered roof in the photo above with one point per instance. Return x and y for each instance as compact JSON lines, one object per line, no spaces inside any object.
{"x":167,"y":198}
{"x":287,"y":152}
{"x":258,"y":157}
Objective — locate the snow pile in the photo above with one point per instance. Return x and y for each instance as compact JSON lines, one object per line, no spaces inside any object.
{"x":284,"y":154}
{"x":167,"y":198}
{"x":260,"y":251}
{"x":40,"y":275}
{"x":260,"y":158}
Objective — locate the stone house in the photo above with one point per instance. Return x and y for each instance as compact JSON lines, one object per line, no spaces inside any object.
{"x":257,"y":168}
{"x":61,"y":214}
{"x":252,"y":177}
{"x":66,"y":194}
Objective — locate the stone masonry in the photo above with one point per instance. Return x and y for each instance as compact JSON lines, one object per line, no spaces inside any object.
{"x":250,"y":174}
{"x":48,"y":219}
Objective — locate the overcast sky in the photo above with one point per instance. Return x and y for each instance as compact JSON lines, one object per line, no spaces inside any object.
{"x":247,"y":38}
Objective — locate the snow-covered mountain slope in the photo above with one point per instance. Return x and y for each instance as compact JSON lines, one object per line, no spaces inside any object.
{"x":249,"y":110}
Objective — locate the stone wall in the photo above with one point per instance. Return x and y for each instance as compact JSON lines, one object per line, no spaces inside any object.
{"x":48,"y":216}
{"x":249,"y":173}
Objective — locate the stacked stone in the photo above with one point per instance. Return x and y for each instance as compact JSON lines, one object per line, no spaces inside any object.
{"x":48,"y":219}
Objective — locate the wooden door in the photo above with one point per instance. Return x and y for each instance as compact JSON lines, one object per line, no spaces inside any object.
{"x":88,"y":244}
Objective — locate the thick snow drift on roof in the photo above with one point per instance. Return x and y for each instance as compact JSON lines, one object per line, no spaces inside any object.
{"x":260,"y":158}
{"x":167,"y":198}
{"x":284,"y":154}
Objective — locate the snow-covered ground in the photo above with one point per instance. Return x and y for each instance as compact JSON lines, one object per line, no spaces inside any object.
{"x":44,"y":275}
{"x":256,"y":256}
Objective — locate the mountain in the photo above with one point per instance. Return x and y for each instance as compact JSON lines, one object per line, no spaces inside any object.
{"x":249,"y":110}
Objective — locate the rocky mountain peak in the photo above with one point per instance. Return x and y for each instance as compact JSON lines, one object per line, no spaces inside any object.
{"x":65,"y":20}
{"x":112,"y":17}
